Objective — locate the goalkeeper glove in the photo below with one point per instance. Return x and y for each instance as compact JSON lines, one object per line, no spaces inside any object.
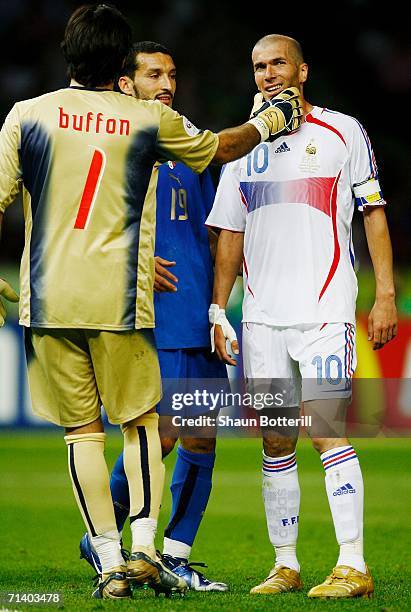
{"x":257,"y":103}
{"x":281,"y":114}
{"x":216,"y":316}
{"x":6,"y":292}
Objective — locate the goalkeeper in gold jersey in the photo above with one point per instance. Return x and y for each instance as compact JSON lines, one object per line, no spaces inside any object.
{"x":83,"y":157}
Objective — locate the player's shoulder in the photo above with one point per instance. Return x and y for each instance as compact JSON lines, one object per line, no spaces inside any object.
{"x":347,"y":124}
{"x":24,"y":106}
{"x":232,"y":168}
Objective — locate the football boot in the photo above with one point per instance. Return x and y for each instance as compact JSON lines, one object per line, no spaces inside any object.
{"x":345,"y":581}
{"x":280,"y":580}
{"x":145,"y":566}
{"x":195,"y":580}
{"x":113,"y":585}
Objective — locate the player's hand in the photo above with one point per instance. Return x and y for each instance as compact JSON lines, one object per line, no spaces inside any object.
{"x":280,"y":115}
{"x":162,"y":276}
{"x":7,"y":292}
{"x":382,"y":322}
{"x":220,"y":332}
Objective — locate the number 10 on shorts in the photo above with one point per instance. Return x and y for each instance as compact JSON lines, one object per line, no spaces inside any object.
{"x":330,"y":370}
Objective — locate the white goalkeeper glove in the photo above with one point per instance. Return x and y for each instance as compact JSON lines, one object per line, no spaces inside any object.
{"x":6,"y":291}
{"x":216,"y":316}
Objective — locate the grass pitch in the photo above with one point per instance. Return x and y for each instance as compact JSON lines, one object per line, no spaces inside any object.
{"x":41,"y":528}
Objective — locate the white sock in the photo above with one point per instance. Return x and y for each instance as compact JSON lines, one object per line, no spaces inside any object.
{"x":143,"y":532}
{"x":174,"y":548}
{"x":107,"y":546}
{"x":281,"y":493}
{"x":345,"y":491}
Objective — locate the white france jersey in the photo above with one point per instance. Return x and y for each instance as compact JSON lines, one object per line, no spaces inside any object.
{"x":294,"y":199}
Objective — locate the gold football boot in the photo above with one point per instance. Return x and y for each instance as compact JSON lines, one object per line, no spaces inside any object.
{"x":146,"y":567}
{"x":345,"y":581}
{"x":113,"y":585}
{"x":280,"y":580}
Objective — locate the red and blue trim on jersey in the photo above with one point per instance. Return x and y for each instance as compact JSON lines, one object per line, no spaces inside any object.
{"x":314,"y":191}
{"x":337,"y":250}
{"x":349,"y":350}
{"x":273,"y":466}
{"x":246,"y":273}
{"x":371,"y":156}
{"x":342,"y":455}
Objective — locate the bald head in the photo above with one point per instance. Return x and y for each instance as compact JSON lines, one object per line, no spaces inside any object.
{"x":293,"y":46}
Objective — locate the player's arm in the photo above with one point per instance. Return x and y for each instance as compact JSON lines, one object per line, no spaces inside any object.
{"x":6,"y":290}
{"x":213,"y":241}
{"x":228,"y":261}
{"x":382,"y":321}
{"x":281,"y":114}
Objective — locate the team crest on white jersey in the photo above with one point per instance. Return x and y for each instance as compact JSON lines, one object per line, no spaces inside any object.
{"x":309,"y":162}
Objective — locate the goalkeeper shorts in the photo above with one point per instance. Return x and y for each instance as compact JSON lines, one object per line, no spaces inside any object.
{"x":73,"y":372}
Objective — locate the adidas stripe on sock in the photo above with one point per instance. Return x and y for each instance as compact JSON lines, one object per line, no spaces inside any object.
{"x":345,"y":491}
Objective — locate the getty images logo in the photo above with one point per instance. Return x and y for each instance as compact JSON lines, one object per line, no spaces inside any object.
{"x":344,"y":490}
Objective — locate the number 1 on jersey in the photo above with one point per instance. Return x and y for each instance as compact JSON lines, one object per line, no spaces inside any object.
{"x":91,"y":187}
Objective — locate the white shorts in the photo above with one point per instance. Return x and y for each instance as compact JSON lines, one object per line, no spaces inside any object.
{"x":314,"y":361}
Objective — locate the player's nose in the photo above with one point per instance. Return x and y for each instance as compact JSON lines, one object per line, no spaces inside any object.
{"x":270,"y":72}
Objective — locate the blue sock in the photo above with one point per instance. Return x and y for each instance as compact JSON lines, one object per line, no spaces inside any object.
{"x":190,"y":490}
{"x":120,"y":492}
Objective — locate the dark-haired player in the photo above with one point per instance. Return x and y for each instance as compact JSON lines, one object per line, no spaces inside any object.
{"x":182,"y":336}
{"x":84,"y":156}
{"x":287,"y":209}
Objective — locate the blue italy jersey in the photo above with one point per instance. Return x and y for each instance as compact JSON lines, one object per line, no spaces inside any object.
{"x":184,"y":200}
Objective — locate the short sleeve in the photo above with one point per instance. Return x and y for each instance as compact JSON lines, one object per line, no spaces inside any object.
{"x":229,"y":209}
{"x":179,"y":140}
{"x":10,"y":167}
{"x":364,"y":171}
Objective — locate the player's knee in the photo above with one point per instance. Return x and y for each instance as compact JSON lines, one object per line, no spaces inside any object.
{"x":279,"y":446}
{"x":199,"y":445}
{"x":90,"y":428}
{"x":167,"y":445}
{"x":148,"y":420}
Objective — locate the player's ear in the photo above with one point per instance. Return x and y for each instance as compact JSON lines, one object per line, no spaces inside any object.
{"x":303,"y":72}
{"x":126,"y":85}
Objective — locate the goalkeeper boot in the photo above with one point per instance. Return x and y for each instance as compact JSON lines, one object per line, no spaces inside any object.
{"x":345,"y":581}
{"x":280,"y":580}
{"x":195,"y":580}
{"x":88,"y":553}
{"x":145,"y":566}
{"x":113,"y":585}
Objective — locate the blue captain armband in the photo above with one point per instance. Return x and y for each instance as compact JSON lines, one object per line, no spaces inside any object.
{"x":368,"y":194}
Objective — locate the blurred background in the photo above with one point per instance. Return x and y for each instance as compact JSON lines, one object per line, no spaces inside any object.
{"x":360,"y":64}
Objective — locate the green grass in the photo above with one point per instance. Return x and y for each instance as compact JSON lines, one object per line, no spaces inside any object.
{"x":41,"y":527}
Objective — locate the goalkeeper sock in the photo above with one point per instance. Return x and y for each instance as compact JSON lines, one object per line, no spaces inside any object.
{"x":345,"y":492}
{"x":190,"y":489}
{"x":89,"y":476}
{"x":281,"y":494}
{"x":120,"y":492}
{"x":144,"y":469}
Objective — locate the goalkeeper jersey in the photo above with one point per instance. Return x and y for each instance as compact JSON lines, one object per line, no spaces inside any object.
{"x":294,"y":200}
{"x":84,"y":159}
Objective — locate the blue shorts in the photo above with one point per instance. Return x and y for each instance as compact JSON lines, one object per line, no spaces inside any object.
{"x":184,"y":371}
